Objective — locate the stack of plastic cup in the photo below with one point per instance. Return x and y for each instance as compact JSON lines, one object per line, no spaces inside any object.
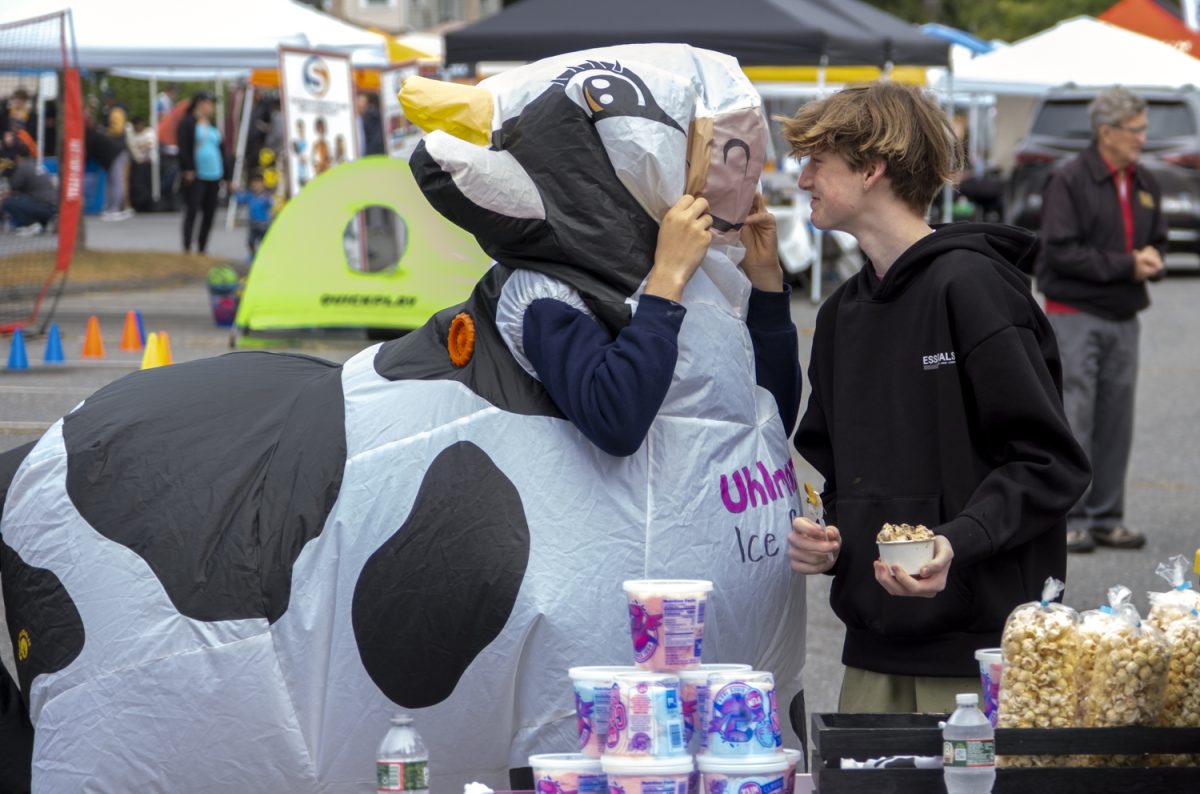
{"x":568,"y":772}
{"x":793,"y":760}
{"x":666,"y":622}
{"x":645,"y":717}
{"x":649,"y":776}
{"x":646,"y":752}
{"x":593,"y":687}
{"x":639,"y":726}
{"x":742,"y":745}
{"x":694,"y":690}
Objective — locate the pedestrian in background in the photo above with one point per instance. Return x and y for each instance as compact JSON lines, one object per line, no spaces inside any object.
{"x":369,"y":125}
{"x":935,"y":400}
{"x":165,"y":101}
{"x":114,"y":122}
{"x":1103,"y":237}
{"x":141,"y":143}
{"x":31,"y":201}
{"x":202,"y":164}
{"x":168,"y":155}
{"x":259,"y":203}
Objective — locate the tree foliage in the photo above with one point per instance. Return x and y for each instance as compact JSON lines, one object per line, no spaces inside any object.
{"x":1008,"y":20}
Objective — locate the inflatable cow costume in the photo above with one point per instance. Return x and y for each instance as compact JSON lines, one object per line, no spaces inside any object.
{"x":225,"y":575}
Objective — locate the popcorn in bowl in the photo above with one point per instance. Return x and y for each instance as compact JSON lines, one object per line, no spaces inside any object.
{"x":906,"y":546}
{"x":895,"y":533}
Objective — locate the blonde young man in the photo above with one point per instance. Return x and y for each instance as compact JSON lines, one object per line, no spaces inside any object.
{"x":935,"y":400}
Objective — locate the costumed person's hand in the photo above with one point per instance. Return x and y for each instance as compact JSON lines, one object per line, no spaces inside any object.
{"x":930,"y":580}
{"x":812,"y":549}
{"x":759,"y":236}
{"x":683,"y":238}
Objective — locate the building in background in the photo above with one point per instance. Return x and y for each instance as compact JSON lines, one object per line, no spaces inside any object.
{"x":402,"y":16}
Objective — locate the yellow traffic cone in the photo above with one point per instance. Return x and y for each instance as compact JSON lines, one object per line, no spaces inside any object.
{"x":164,"y":350}
{"x":150,"y":357}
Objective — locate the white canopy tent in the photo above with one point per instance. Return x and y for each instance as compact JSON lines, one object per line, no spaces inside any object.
{"x":182,"y":39}
{"x":213,"y":34}
{"x":1080,"y":50}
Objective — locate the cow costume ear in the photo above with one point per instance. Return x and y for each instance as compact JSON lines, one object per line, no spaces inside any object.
{"x":458,"y":119}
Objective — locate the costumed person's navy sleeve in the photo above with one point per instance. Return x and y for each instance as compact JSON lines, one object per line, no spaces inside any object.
{"x":611,"y":389}
{"x":776,"y":350}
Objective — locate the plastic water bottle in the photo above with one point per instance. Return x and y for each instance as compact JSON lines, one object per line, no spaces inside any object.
{"x":968,"y":749}
{"x":403,"y":762}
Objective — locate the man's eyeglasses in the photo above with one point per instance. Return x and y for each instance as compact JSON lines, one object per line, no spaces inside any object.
{"x":1139,"y":130}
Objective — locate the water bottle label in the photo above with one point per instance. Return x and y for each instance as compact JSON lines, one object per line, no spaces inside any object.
{"x":402,"y":776}
{"x":969,"y":753}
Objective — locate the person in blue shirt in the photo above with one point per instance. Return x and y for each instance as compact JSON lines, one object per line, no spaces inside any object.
{"x":259,"y":203}
{"x":202,"y":162}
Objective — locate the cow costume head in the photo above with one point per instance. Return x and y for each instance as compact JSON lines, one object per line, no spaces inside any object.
{"x":566,"y":166}
{"x":258,"y":558}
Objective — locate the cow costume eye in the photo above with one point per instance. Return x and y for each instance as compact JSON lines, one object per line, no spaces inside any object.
{"x":607,"y":90}
{"x":617,"y":95}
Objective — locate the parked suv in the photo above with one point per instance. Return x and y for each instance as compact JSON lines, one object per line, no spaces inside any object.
{"x":1060,"y":127}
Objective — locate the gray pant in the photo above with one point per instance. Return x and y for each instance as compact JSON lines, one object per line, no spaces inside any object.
{"x":1100,"y":361}
{"x":114,"y":191}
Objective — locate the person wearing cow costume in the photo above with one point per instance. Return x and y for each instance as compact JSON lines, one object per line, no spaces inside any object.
{"x":227,"y":574}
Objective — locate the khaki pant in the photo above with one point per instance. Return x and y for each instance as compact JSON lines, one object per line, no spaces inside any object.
{"x":881,"y":693}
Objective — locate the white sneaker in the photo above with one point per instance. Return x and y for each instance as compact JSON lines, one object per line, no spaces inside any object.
{"x":110,"y":215}
{"x":28,"y":231}
{"x":125,"y":214}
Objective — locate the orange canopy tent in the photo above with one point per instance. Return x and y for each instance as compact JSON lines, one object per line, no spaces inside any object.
{"x":1157,"y":20}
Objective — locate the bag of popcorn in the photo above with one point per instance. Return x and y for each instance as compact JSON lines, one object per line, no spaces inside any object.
{"x":1041,"y":655}
{"x":1177,"y":602}
{"x":1181,"y":701}
{"x":1129,"y":672}
{"x":1092,"y":624}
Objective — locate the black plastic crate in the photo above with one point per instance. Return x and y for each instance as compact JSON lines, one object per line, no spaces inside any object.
{"x":863,"y":736}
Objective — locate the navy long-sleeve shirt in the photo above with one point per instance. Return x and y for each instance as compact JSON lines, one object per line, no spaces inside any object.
{"x":611,"y":389}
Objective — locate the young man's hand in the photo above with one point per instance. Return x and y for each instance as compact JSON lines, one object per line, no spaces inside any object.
{"x":812,"y":549}
{"x":683,"y":240}
{"x":761,"y":263}
{"x":930,"y":580}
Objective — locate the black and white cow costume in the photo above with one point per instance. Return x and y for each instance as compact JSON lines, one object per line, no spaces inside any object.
{"x":227,"y":574}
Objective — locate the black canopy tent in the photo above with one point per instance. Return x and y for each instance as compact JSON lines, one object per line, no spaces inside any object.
{"x":756,"y":32}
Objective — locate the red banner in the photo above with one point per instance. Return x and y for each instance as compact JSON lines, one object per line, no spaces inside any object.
{"x":70,"y":173}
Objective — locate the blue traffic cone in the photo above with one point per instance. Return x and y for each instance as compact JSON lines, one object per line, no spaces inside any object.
{"x":54,"y":348}
{"x":141,"y":326}
{"x":16,"y":353}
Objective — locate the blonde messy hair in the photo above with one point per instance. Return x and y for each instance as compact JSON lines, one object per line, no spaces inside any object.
{"x":898,"y":124}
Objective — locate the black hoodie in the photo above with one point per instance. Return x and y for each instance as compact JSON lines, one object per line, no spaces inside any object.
{"x":936,"y":399}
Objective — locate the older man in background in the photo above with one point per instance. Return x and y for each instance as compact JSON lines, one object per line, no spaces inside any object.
{"x":1104,"y":236}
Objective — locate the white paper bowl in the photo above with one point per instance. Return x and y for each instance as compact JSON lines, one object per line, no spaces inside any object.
{"x":908,"y":554}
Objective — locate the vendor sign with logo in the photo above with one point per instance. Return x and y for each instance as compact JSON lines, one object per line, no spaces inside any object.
{"x":318,"y":104}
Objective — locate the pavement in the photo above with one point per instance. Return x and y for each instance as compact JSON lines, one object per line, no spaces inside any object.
{"x":162,"y":231}
{"x":1164,"y":476}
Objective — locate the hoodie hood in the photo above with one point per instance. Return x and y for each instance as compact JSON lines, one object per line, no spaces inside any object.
{"x":1010,"y":248}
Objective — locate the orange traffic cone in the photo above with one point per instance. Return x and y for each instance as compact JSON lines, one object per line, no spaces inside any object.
{"x":164,"y":349}
{"x":131,"y":339}
{"x":150,"y":357}
{"x":93,"y":344}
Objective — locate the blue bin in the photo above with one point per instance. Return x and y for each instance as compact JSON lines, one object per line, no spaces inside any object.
{"x":94,"y":180}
